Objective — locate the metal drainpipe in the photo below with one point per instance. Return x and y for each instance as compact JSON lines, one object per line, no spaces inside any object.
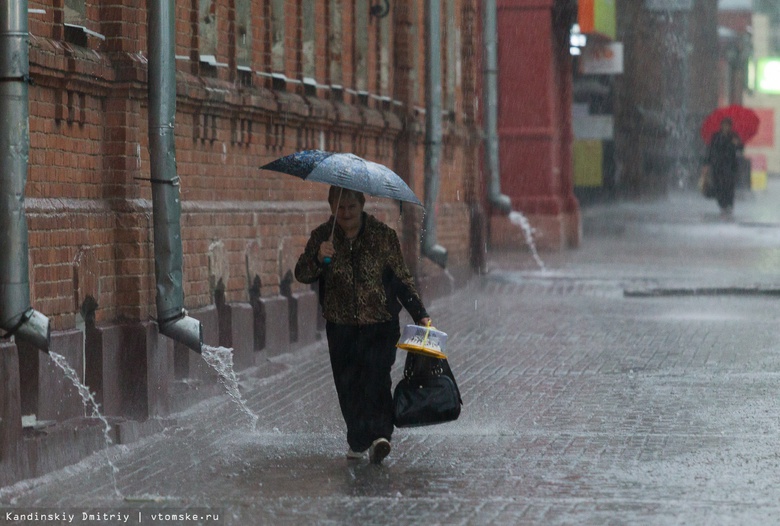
{"x":496,"y":199}
{"x":433,"y":131}
{"x":166,"y":205}
{"x":17,"y":317}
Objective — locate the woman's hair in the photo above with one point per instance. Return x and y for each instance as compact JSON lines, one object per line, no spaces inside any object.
{"x":333,"y":195}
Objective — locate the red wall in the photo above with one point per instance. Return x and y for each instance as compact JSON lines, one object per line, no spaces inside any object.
{"x":535,"y":117}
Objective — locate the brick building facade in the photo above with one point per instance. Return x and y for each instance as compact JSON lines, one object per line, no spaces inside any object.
{"x":251,"y":87}
{"x":255,"y":80}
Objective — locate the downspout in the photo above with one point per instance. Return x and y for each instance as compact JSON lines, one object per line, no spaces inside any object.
{"x":17,"y":317}
{"x":496,"y":199}
{"x":172,"y":319}
{"x":433,"y":131}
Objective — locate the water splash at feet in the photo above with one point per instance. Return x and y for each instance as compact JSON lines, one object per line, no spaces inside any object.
{"x":519,"y":220}
{"x":88,"y":399}
{"x":221,"y":360}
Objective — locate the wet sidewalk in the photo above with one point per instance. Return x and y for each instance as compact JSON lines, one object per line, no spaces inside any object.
{"x":583,"y":404}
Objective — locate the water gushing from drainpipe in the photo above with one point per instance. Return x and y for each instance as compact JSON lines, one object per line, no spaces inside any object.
{"x":17,"y":317}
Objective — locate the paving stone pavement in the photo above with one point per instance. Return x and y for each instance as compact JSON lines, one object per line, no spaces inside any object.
{"x":582,"y":405}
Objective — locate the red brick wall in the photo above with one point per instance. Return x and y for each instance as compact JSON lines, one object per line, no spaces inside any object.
{"x":89,"y":208}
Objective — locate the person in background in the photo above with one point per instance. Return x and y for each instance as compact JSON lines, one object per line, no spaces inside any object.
{"x":722,"y":160}
{"x":363,"y":283}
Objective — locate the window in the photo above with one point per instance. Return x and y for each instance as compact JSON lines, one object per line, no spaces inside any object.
{"x":278,"y":32}
{"x":361,"y":47}
{"x":451,"y":61}
{"x":75,"y":12}
{"x":309,"y":57}
{"x":207,"y":37}
{"x":244,"y":35}
{"x":384,"y":56}
{"x":417,"y":49}
{"x":76,"y":31}
{"x":335,"y":47}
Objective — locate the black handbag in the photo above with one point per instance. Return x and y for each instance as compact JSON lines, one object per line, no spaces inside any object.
{"x":427,"y":394}
{"x":706,"y":182}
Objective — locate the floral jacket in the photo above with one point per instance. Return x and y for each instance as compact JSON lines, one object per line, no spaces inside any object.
{"x":367,"y":281}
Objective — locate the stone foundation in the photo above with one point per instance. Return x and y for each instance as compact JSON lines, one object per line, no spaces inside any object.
{"x":187,"y":363}
{"x":10,"y":401}
{"x":45,"y":391}
{"x":304,"y":310}
{"x":130,"y":368}
{"x":237,"y":332}
{"x":275,"y":325}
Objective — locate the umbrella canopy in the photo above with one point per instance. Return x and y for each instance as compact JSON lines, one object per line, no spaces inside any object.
{"x":745,"y":122}
{"x":347,"y":171}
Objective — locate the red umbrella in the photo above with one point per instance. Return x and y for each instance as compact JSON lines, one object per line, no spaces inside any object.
{"x":744,"y":122}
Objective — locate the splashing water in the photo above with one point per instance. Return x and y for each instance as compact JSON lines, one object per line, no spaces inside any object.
{"x":221,"y":360}
{"x":88,"y":399}
{"x":519,"y":220}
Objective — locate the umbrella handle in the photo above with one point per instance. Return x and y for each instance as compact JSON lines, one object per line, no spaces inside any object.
{"x":326,"y":260}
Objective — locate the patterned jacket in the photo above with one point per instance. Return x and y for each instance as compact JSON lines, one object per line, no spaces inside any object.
{"x":367,"y":281}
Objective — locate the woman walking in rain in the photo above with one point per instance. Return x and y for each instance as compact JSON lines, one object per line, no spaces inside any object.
{"x":722,"y":161}
{"x":364,"y":282}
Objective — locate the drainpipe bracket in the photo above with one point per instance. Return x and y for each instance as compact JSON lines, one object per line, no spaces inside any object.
{"x":173,"y":182}
{"x":27,"y":79}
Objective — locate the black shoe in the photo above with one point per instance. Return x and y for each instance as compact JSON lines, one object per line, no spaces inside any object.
{"x":379,"y":449}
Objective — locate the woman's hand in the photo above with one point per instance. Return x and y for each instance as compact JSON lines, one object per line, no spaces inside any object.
{"x":326,"y":251}
{"x":424,"y":322}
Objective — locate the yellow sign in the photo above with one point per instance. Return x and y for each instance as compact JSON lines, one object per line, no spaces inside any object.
{"x":588,"y":159}
{"x":597,"y":17}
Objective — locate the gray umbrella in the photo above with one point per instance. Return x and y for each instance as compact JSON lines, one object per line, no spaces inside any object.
{"x":347,"y":171}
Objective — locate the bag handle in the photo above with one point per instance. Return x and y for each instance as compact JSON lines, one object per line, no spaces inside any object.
{"x":428,"y":328}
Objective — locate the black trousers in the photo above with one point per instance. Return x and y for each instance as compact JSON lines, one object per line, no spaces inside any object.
{"x":725,"y":185}
{"x":361,"y":357}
